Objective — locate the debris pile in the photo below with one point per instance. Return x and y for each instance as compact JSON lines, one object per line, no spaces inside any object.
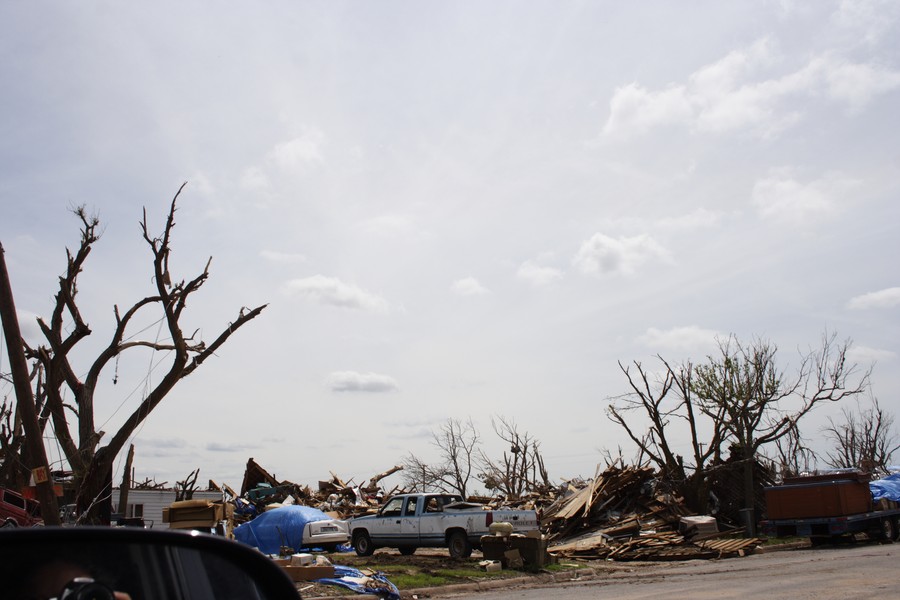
{"x":626,"y":513}
{"x":261,"y":490}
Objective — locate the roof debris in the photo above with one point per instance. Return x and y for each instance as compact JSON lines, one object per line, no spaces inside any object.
{"x":626,"y":513}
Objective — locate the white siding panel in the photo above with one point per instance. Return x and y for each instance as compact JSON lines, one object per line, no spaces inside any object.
{"x":154,"y":501}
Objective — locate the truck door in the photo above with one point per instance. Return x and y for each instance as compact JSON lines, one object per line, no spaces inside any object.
{"x":409,"y":522}
{"x":387,"y":526}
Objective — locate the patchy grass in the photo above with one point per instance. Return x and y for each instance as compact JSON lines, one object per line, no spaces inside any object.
{"x":778,"y":541}
{"x":430,"y":569}
{"x":413,"y":576}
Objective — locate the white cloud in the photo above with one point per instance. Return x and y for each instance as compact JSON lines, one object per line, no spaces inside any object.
{"x":469,"y":286}
{"x":538,"y":275}
{"x":230,"y":447}
{"x":857,"y":84}
{"x":28,"y":327}
{"x":351,"y":381}
{"x":780,"y":197}
{"x":730,"y":95}
{"x":604,"y":254}
{"x":634,"y":109}
{"x":333,"y":292}
{"x":297,"y":155}
{"x":201,"y":184}
{"x":300,"y":151}
{"x":723,"y":76}
{"x":254,"y":179}
{"x":887,"y":298}
{"x":680,"y":338}
{"x":865,"y":356}
{"x":701,"y":218}
{"x":868,"y":20}
{"x":282,"y":257}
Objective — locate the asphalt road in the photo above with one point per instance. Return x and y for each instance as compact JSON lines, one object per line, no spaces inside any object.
{"x":860,"y":571}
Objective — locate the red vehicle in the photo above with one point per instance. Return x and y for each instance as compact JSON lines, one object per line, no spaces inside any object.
{"x":16,"y":508}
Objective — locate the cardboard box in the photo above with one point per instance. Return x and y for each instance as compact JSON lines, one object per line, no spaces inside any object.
{"x":196,"y":513}
{"x":493,"y":566}
{"x":302,"y":560}
{"x":698,"y":525}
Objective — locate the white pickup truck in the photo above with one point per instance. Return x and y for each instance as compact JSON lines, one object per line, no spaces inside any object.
{"x":410,"y":521}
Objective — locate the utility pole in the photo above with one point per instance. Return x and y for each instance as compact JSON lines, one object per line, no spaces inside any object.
{"x":34,"y":442}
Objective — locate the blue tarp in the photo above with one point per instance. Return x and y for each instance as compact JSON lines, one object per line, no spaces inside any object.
{"x":354,"y":579}
{"x":889,"y":488}
{"x":278,"y":527}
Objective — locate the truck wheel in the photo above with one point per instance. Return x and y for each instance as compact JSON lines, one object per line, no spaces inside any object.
{"x":362,"y":543}
{"x":407,"y":550}
{"x":896,"y":529}
{"x":888,"y":530}
{"x":459,"y":545}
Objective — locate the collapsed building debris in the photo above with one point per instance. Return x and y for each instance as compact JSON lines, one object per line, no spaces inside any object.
{"x":626,"y":513}
{"x":335,"y":497}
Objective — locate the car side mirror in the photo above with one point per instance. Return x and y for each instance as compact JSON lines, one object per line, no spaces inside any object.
{"x":140,"y":564}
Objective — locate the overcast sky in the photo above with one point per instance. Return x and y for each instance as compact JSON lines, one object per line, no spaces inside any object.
{"x":453,"y":209}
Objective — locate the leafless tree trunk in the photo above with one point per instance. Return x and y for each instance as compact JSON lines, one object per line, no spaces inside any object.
{"x":184,"y":490}
{"x":669,"y":406}
{"x":760,"y":403}
{"x":13,"y":471}
{"x":125,"y":486}
{"x":457,"y":442}
{"x":521,"y":469}
{"x":90,"y":462}
{"x":865,"y":440}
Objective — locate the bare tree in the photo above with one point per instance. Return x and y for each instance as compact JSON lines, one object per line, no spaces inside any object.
{"x":667,"y":402}
{"x":184,"y":490}
{"x":457,"y":442}
{"x":760,"y":402}
{"x":792,"y":455}
{"x":521,"y":469}
{"x":90,"y":462}
{"x":418,"y":475}
{"x":865,"y":440}
{"x":12,"y":470}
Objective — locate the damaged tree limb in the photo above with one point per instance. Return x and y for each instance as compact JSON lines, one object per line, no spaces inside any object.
{"x":90,"y":462}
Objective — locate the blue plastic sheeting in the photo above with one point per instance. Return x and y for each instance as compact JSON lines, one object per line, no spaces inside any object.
{"x":278,"y":527}
{"x":355,"y":580}
{"x":889,"y":488}
{"x":242,"y":507}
